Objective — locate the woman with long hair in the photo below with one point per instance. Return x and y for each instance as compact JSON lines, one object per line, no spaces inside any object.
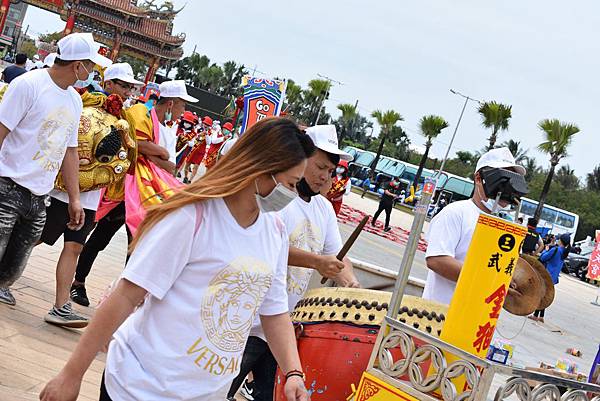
{"x":204,"y":263}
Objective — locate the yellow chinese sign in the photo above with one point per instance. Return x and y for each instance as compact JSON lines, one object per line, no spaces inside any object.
{"x":371,"y":388}
{"x":483,"y":284}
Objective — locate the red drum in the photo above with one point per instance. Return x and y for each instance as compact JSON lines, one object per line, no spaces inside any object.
{"x":338,"y":328}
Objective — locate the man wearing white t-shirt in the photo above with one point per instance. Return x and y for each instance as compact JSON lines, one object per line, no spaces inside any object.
{"x":451,"y":229}
{"x":39,"y":120}
{"x":315,"y":240}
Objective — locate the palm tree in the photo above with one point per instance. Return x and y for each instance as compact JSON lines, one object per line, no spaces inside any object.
{"x":495,"y":116}
{"x":294,"y":99}
{"x":386,"y":121}
{"x":317,"y":93}
{"x":593,"y":179}
{"x":531,"y":167}
{"x":466,"y":157}
{"x":567,"y":178}
{"x":430,"y":126}
{"x":232,"y":78}
{"x":347,"y":120}
{"x":517,"y":151}
{"x":558,"y":137}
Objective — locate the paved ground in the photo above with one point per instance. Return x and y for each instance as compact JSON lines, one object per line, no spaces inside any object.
{"x":32,"y":351}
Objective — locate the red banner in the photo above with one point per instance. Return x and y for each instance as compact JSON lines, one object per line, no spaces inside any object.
{"x":593,"y":272}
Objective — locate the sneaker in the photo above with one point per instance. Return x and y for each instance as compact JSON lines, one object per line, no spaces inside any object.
{"x":65,"y":317}
{"x":79,"y":295}
{"x":247,"y":390}
{"x":387,"y":229}
{"x":6,"y":297}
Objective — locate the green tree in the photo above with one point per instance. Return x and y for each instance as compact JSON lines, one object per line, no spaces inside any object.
{"x":495,"y":116}
{"x":567,"y":178}
{"x":531,"y":168}
{"x":430,"y":127}
{"x":517,"y":151}
{"x":386,"y":120}
{"x":28,"y":47}
{"x":347,"y":120}
{"x":232,"y":79}
{"x":314,"y":96}
{"x":294,"y":99}
{"x":558,"y":137}
{"x":593,"y":179}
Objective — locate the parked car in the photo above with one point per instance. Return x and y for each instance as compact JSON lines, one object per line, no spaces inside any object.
{"x":577,"y":263}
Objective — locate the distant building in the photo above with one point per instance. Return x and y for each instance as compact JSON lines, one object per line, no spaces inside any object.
{"x":13,"y":25}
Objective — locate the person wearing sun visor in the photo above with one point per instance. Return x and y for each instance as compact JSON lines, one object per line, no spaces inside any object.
{"x":499,"y":183}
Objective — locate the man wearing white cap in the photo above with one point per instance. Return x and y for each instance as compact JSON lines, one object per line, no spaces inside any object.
{"x":119,"y":80}
{"x":315,"y":241}
{"x":39,"y":121}
{"x":451,"y":230}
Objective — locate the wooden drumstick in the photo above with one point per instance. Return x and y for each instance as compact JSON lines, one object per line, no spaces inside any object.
{"x":349,"y":242}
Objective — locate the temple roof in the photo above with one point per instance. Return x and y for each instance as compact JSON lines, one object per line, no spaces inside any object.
{"x":146,"y":23}
{"x":122,"y":5}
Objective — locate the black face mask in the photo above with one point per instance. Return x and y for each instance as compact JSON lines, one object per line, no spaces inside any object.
{"x":304,"y":189}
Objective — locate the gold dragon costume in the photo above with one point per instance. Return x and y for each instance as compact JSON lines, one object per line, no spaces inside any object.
{"x":106,"y":146}
{"x":149,"y":184}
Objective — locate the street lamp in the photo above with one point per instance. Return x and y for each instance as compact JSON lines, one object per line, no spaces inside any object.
{"x":467,"y":99}
{"x":439,"y":173}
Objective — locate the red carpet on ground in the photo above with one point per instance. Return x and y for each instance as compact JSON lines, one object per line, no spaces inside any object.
{"x":349,"y":215}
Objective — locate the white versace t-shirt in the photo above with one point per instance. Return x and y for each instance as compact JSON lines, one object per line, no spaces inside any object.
{"x":205,"y":289}
{"x":43,"y":120}
{"x":450,"y":234}
{"x":312,"y":226}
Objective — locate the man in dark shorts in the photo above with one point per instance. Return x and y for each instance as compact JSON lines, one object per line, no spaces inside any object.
{"x":387,"y":203}
{"x":57,"y":219}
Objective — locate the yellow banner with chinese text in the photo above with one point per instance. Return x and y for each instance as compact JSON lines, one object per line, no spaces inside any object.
{"x":371,"y":388}
{"x":482,"y":286}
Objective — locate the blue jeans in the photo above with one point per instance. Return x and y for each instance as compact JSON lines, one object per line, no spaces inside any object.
{"x":22,"y":218}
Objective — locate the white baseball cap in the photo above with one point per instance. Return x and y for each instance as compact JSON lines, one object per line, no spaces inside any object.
{"x":325,"y":138}
{"x":176,"y":89}
{"x":122,"y":72}
{"x":499,"y":158}
{"x":49,"y":60}
{"x":79,"y":47}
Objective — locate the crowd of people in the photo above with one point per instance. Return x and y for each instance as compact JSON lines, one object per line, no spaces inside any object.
{"x":184,"y":322}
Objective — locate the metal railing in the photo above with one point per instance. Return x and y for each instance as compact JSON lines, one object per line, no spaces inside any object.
{"x":417,"y":364}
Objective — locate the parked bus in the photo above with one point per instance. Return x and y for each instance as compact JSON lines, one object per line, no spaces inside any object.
{"x":552,"y":220}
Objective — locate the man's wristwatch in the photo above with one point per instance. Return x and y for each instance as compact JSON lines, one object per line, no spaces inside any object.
{"x":295,"y":372}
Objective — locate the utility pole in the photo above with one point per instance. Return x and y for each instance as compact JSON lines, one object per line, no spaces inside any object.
{"x":330,"y":80}
{"x":439,"y":173}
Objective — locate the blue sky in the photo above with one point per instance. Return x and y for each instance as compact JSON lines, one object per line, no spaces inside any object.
{"x":539,"y":56}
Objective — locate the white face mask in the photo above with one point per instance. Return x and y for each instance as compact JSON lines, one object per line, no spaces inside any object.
{"x":87,"y":82}
{"x":339,"y":170}
{"x":276,"y":200}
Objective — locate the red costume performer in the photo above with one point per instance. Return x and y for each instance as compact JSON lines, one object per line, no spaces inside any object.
{"x":217,"y":138}
{"x":186,"y":133}
{"x":197,"y":154}
{"x":339,"y":186}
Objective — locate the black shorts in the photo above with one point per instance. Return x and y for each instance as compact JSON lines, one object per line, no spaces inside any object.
{"x":57,"y":218}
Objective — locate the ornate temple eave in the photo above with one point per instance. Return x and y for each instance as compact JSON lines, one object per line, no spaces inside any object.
{"x":104,"y":17}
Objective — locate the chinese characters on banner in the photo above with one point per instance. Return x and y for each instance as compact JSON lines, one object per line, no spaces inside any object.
{"x":593,"y":272}
{"x":482,"y":286}
{"x":262,"y":98}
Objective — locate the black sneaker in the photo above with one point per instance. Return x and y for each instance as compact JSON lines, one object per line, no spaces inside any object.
{"x":79,"y":295}
{"x":247,"y":390}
